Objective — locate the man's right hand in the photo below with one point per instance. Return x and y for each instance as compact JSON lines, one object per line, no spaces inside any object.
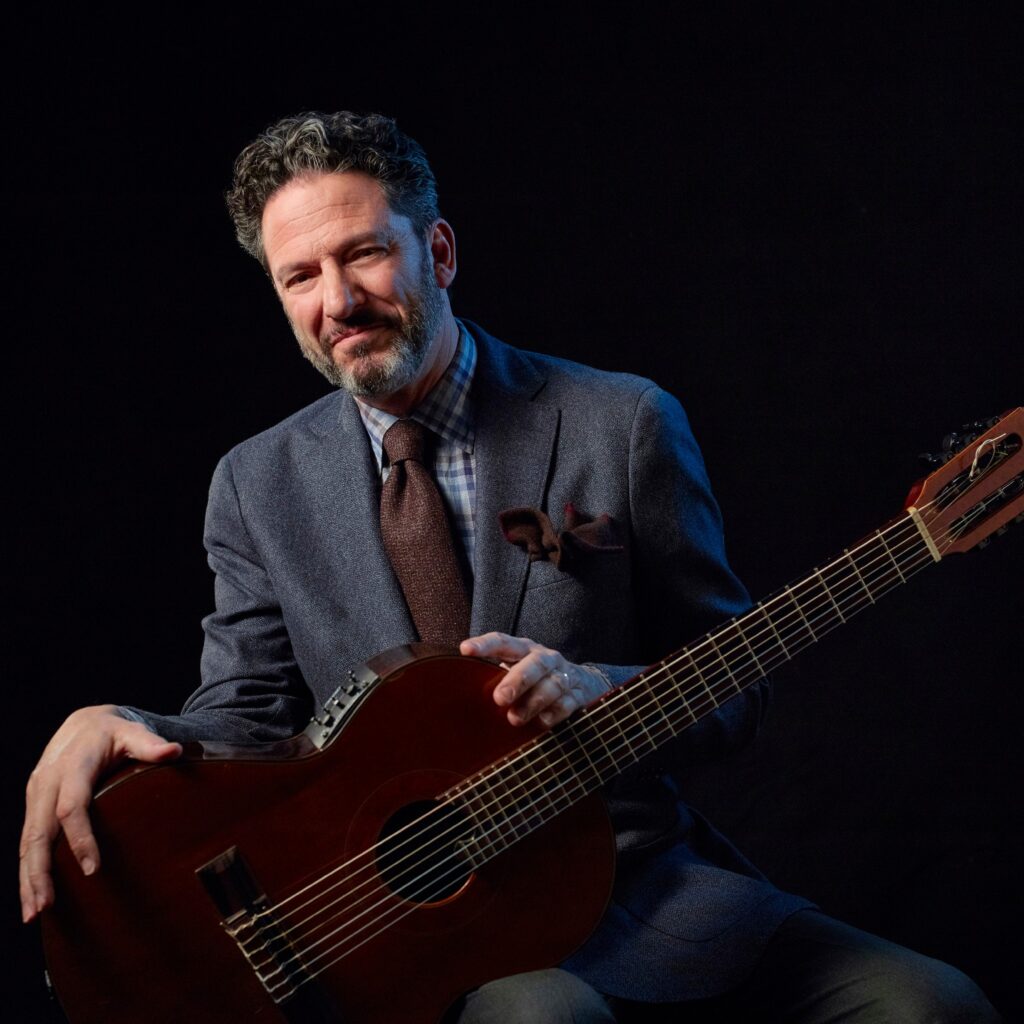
{"x":60,"y":788}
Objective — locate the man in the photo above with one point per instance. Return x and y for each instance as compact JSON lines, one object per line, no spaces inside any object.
{"x":569,"y":531}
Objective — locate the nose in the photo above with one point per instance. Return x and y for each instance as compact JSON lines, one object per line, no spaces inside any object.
{"x":341,"y":294}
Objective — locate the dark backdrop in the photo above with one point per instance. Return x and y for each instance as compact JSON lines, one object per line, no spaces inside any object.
{"x":807,"y":229}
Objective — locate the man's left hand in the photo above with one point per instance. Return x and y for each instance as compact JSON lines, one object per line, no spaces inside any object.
{"x":540,"y":683}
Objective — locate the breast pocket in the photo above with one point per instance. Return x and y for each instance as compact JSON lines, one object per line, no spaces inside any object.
{"x":586,"y":614}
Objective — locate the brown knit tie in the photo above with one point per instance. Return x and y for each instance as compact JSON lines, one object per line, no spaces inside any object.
{"x":418,"y":539}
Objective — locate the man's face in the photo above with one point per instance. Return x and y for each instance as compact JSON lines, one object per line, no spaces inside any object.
{"x":356,"y":281}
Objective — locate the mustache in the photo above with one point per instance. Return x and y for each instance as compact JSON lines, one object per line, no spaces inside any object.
{"x":356,"y":322}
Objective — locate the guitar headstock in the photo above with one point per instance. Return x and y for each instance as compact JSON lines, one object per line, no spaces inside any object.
{"x":979,"y":487}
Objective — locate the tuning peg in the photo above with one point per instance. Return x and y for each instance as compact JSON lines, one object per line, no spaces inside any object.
{"x":959,"y":439}
{"x":952,"y":443}
{"x":932,"y":461}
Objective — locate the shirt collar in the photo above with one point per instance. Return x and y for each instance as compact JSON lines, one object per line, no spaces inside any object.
{"x":446,"y":410}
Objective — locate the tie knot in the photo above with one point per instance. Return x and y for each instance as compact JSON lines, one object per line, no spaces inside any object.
{"x":404,"y":439}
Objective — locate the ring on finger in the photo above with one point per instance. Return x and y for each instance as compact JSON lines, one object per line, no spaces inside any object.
{"x":562,"y":676}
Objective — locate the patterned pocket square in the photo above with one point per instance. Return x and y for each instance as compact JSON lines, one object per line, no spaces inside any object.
{"x":583,"y":536}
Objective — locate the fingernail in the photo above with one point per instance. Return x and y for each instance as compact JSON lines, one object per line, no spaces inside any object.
{"x":546,"y":717}
{"x":88,"y":866}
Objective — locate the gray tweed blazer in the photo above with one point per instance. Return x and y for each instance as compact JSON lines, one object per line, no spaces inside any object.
{"x":304,"y":591}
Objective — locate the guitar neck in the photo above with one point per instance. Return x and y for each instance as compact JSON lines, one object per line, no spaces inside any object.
{"x":510,"y":799}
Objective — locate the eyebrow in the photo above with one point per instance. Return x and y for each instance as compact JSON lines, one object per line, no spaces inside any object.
{"x":386,"y":237}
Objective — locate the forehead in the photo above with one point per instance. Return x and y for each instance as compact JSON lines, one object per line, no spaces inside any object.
{"x":312,"y":216}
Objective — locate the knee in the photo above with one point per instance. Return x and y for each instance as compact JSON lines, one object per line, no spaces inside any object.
{"x":933,"y":992}
{"x":539,"y":997}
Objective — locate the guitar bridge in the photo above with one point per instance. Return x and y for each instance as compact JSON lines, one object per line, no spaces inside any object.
{"x":246,"y":915}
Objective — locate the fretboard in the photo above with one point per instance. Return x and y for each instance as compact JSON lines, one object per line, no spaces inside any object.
{"x":511,"y":798}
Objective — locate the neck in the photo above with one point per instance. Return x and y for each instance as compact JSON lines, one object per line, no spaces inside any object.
{"x":438,"y":359}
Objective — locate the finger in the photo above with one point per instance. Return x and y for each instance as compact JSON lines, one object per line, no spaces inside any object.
{"x":135,"y":740}
{"x":72,"y":813}
{"x":35,"y":887}
{"x":560,"y":709}
{"x":499,"y":646}
{"x":538,"y":699}
{"x":527,"y":673}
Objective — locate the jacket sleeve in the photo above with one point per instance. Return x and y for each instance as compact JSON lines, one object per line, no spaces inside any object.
{"x":252,"y":689}
{"x":681,"y":578}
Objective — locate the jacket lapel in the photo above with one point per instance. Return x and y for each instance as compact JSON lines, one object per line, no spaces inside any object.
{"x":515,"y":438}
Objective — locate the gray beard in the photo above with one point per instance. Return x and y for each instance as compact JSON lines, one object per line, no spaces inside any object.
{"x":401,"y":363}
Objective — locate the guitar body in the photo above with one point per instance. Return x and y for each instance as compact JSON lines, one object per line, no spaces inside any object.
{"x":143,"y":939}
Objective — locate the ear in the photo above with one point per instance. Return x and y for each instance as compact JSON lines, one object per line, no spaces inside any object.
{"x":442,"y":252}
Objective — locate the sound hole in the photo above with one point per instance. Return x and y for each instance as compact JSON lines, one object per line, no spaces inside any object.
{"x":421,"y":852}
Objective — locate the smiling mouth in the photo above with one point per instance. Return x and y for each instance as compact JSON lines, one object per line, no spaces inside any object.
{"x":352,"y":336}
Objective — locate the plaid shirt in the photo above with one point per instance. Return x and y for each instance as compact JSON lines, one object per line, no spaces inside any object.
{"x":447,"y":412}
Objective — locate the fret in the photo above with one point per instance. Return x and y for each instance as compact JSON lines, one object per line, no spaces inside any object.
{"x":636,"y":735}
{"x":888,"y":551}
{"x":743,"y":636}
{"x":648,"y":699}
{"x":764,"y":613}
{"x":725,"y":664}
{"x":867,"y":589}
{"x":650,"y":702}
{"x":676,"y":697}
{"x":602,"y":714}
{"x":471,"y":847}
{"x":800,"y":612}
{"x":507,"y":805}
{"x":574,"y":750}
{"x":703,"y":682}
{"x":520,"y":794}
{"x":630,"y":726}
{"x":542,"y":781}
{"x":625,"y":740}
{"x":657,"y":703}
{"x":479,"y":795}
{"x":825,"y":587}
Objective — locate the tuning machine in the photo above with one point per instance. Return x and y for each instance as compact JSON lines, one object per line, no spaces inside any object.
{"x":956,"y":441}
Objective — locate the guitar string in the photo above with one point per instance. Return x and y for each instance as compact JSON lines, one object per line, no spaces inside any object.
{"x":922,"y":562}
{"x":743,"y":637}
{"x":752,"y":640}
{"x":672,"y":732}
{"x":425,"y":880}
{"x":696,"y":654}
{"x":386,"y":921}
{"x":893,"y":582}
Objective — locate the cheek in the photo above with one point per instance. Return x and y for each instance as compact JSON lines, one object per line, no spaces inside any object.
{"x":388,"y":284}
{"x":304,"y":312}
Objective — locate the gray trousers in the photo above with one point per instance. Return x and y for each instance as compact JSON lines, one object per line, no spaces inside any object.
{"x":815,"y":970}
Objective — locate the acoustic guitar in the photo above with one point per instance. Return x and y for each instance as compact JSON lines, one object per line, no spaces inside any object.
{"x":334,"y":877}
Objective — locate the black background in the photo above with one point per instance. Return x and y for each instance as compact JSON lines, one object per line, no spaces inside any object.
{"x":804,"y":224}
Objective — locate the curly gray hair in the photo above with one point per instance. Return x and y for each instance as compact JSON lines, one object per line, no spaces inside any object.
{"x":315,"y":143}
